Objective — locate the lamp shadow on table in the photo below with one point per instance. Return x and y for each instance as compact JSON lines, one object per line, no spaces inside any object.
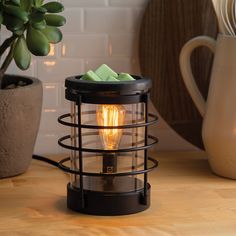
{"x":61,"y":205}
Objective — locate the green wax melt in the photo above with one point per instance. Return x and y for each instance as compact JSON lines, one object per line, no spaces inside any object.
{"x":112,"y":78}
{"x":125,"y":77}
{"x":90,"y":75}
{"x":104,"y":72}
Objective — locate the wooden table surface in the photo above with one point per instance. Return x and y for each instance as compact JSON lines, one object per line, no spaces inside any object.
{"x":187,"y":199}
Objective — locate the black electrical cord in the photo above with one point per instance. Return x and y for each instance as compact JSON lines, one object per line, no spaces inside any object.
{"x":47,"y":160}
{"x":66,"y":169}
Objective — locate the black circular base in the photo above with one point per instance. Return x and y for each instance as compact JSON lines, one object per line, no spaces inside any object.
{"x":107,"y":203}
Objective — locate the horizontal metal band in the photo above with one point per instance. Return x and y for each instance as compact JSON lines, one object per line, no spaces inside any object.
{"x":150,"y":137}
{"x":137,"y":172}
{"x":83,"y":126}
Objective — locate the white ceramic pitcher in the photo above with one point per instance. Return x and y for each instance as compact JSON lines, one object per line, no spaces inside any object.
{"x":219,"y":112}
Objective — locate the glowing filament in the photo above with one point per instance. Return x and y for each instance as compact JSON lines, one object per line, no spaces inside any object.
{"x":110,"y":115}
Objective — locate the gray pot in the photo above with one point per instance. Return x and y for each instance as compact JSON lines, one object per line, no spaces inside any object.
{"x":20,"y":112}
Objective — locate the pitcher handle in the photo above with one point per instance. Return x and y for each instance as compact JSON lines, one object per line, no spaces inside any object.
{"x":186,"y":70}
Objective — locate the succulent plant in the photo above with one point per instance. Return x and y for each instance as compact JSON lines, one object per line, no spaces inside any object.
{"x":34,"y":26}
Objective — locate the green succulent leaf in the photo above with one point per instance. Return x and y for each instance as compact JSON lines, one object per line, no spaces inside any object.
{"x":34,"y":26}
{"x":55,"y":20}
{"x":26,"y":4}
{"x":38,"y":3}
{"x":40,"y":9}
{"x":53,"y":34}
{"x":37,"y":42}
{"x":1,"y":18}
{"x":17,"y":12}
{"x":12,"y":23}
{"x":37,"y":16}
{"x":19,"y":32}
{"x":15,"y":2}
{"x":39,"y":25}
{"x":54,"y":7}
{"x":22,"y":55}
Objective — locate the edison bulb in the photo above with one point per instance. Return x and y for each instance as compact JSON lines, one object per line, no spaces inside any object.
{"x":110,"y":115}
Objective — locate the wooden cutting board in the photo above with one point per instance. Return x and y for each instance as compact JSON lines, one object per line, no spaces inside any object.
{"x":167,"y":25}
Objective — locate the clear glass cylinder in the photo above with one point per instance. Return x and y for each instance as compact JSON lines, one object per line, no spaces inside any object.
{"x":109,"y":150}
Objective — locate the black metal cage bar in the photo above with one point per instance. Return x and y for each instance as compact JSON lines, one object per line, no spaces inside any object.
{"x":78,"y":103}
{"x":111,"y":184}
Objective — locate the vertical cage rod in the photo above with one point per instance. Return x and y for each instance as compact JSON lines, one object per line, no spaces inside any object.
{"x":134,"y":140}
{"x":80,"y":152}
{"x":146,"y":151}
{"x":73,"y":140}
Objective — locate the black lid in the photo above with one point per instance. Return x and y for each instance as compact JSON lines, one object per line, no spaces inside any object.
{"x":139,"y":85}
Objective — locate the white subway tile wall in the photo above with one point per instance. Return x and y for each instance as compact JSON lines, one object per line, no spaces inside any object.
{"x":97,"y":32}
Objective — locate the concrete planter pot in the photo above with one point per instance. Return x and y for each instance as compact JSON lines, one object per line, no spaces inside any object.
{"x":20,"y":112}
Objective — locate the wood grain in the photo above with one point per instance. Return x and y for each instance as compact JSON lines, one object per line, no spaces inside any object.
{"x":167,"y":25}
{"x":187,"y":200}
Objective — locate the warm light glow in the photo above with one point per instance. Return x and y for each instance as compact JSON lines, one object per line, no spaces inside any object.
{"x":110,"y":49}
{"x":63,"y":50}
{"x":50,"y":86}
{"x":110,"y":115}
{"x":50,"y":63}
{"x":49,"y":110}
{"x":52,"y":50}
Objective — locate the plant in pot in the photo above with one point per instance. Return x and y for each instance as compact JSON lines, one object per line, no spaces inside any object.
{"x":33,"y":26}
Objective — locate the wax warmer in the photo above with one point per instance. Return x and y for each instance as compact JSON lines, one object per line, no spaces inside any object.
{"x":108,"y":145}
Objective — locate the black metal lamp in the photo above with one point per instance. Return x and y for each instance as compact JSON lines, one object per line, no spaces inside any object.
{"x":109,"y":144}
